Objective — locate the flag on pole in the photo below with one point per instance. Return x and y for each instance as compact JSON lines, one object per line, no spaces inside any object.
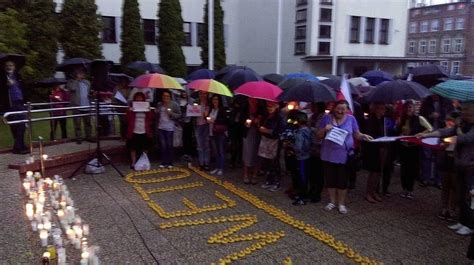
{"x":345,"y":94}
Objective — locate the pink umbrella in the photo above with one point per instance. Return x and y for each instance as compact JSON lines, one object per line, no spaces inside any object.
{"x":260,"y":90}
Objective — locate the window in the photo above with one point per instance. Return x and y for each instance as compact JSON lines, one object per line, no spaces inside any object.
{"x":108,"y":30}
{"x":432,"y":47}
{"x":413,"y":26}
{"x":461,"y":6}
{"x":415,"y":13}
{"x":149,"y":31}
{"x":326,"y":15}
{"x":455,"y":67}
{"x":448,"y":23}
{"x":451,"y":7}
{"x":301,"y":15}
{"x":446,"y":45}
{"x":300,"y":33}
{"x":301,"y":2}
{"x":300,"y":48}
{"x":324,"y":48}
{"x":445,"y":65}
{"x":434,"y":25}
{"x":411,"y":47}
{"x":187,"y":34}
{"x":326,"y":2}
{"x":201,"y":33}
{"x":384,"y":26}
{"x":422,"y":47}
{"x":460,"y":23}
{"x":458,"y":45}
{"x":355,"y":29}
{"x":424,"y":26}
{"x":369,"y":30}
{"x":324,"y":31}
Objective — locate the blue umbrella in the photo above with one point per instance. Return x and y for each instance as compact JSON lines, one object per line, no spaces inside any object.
{"x":376,"y":77}
{"x":239,"y":76}
{"x":69,"y":64}
{"x":146,"y":66}
{"x":462,"y":90}
{"x":303,"y":75}
{"x":201,"y":74}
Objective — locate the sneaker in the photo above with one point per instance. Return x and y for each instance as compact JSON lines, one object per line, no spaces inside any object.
{"x":442,"y":214}
{"x":214,"y":171}
{"x":342,"y":209}
{"x":455,"y":226}
{"x":299,"y":202}
{"x":464,"y":231}
{"x":170,"y":166}
{"x":410,"y":196}
{"x":450,"y":217}
{"x":266,"y":185}
{"x":162,"y":166}
{"x":275,"y":187}
{"x":403,"y":194}
{"x":329,"y":206}
{"x":219,"y":172}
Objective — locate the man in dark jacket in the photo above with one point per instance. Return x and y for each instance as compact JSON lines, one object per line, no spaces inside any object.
{"x":12,"y":99}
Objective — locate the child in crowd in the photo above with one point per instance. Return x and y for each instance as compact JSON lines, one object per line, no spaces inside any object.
{"x":302,"y":146}
{"x":139,"y":131}
{"x":287,"y":138}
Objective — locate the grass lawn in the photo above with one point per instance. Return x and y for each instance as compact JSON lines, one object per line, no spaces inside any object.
{"x":41,"y":128}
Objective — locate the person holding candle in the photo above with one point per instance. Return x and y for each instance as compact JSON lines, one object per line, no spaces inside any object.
{"x":201,"y":130}
{"x":218,"y":123}
{"x":167,"y":112}
{"x":58,"y":94}
{"x":139,"y":131}
{"x":337,"y":156}
{"x":464,"y":164}
{"x":253,"y":113}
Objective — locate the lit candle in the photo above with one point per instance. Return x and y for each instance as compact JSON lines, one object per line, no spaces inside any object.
{"x":29,"y":211}
{"x":61,"y":214}
{"x":248,"y":122}
{"x":290,"y":107}
{"x":45,"y":157}
{"x":85,"y":229}
{"x":85,"y":255}
{"x":61,"y":256}
{"x":70,"y":234}
{"x":208,"y":119}
{"x":44,"y":238}
{"x":46,"y":257}
{"x":366,"y":115}
{"x":327,"y":111}
{"x":39,"y":208}
{"x":40,"y":227}
{"x":37,"y":175}
{"x":70,"y":213}
{"x":47,"y":225}
{"x":63,"y":204}
{"x":34,"y":226}
{"x":29,"y":174}
{"x":27,"y":187}
{"x":77,"y":243}
{"x":195,"y":104}
{"x":79,"y":232}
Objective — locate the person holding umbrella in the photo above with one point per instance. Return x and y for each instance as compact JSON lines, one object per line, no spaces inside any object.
{"x":338,"y":131}
{"x":12,"y":99}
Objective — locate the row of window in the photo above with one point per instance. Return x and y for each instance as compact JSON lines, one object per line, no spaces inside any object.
{"x":324,"y":32}
{"x":433,"y":25}
{"x":455,"y":67}
{"x":435,"y":10}
{"x":325,"y":15}
{"x":109,"y":34}
{"x":370,"y":29}
{"x":447,"y":46}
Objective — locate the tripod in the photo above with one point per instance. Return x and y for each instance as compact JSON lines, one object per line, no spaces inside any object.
{"x":101,"y":73}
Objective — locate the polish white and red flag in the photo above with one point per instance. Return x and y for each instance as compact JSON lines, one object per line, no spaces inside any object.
{"x":345,"y":94}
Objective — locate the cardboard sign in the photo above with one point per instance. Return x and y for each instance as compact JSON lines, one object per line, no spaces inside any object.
{"x":193,"y":111}
{"x":337,"y":135}
{"x":141,"y":106}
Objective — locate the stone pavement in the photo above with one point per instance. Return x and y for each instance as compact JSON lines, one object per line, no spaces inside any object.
{"x":128,"y":231}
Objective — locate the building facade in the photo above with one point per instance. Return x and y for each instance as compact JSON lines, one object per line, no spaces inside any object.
{"x":444,"y":32}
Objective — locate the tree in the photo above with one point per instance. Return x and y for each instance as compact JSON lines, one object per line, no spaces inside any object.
{"x":132,"y":43}
{"x":170,"y":38}
{"x":42,"y":36}
{"x":81,"y":26}
{"x":12,"y":33}
{"x":219,"y":42}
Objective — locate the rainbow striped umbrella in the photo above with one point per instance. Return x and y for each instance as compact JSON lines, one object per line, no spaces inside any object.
{"x":156,"y":81}
{"x":211,"y":86}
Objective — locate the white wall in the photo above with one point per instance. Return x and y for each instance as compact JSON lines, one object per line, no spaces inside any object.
{"x":395,"y":10}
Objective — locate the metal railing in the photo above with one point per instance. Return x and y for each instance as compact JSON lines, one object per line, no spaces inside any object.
{"x":89,"y":111}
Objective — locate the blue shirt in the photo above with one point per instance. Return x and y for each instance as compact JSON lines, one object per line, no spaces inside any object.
{"x":14,"y":90}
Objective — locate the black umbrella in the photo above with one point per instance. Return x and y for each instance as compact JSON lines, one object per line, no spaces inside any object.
{"x":146,"y":66}
{"x":375,"y":77}
{"x":51,"y":82}
{"x":225,"y":70}
{"x":335,"y":83}
{"x":309,"y":91}
{"x":428,"y":75}
{"x":273,"y":78}
{"x":118,"y":77}
{"x":289,"y":83}
{"x":239,"y":76}
{"x":391,"y":91}
{"x":70,"y":64}
{"x":18,"y":59}
{"x":201,"y":74}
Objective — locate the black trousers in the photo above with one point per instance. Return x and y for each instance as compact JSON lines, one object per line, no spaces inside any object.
{"x":18,"y":130}
{"x":316,"y":178}
{"x":463,"y":184}
{"x":54,"y":126}
{"x":409,"y":166}
{"x":187,"y":138}
{"x":291,"y":165}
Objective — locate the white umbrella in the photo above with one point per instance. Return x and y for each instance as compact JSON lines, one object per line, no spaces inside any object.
{"x":358,"y":81}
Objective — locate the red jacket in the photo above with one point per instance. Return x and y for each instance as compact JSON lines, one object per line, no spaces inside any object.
{"x":131,"y":123}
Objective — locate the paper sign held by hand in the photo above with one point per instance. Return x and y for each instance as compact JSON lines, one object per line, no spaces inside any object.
{"x":141,"y":106}
{"x":337,"y":135}
{"x":193,"y":111}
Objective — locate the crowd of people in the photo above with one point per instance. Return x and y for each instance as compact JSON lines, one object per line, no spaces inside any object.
{"x":318,"y":145}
